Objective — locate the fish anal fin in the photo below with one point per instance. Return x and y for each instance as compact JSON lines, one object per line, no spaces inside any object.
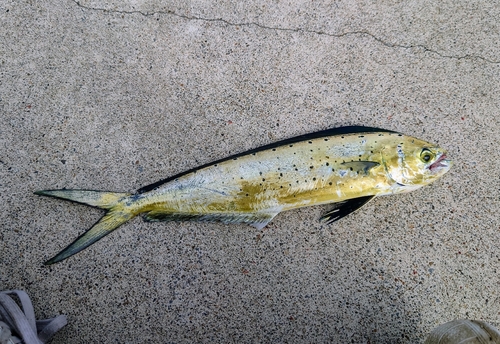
{"x":361,"y":166}
{"x":258,"y":220}
{"x":344,"y":208}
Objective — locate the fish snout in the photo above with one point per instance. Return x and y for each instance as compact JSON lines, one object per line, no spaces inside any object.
{"x":441,"y":163}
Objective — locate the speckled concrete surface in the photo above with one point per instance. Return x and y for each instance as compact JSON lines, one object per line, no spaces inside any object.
{"x":114,"y":95}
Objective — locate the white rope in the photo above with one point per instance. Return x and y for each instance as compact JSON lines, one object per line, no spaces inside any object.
{"x":19,"y":325}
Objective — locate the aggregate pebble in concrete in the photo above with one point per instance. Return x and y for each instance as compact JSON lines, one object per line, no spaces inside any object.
{"x":113,"y":95}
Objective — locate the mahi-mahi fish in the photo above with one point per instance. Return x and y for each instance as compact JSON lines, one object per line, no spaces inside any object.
{"x":346,"y":166}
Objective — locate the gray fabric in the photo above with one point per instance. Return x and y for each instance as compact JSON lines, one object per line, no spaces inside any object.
{"x":22,"y":323}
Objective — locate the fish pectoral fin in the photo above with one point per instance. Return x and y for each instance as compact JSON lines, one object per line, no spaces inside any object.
{"x":258,"y":220}
{"x":344,"y":208}
{"x":360,"y":166}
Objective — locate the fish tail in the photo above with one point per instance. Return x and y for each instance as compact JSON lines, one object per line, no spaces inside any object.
{"x":100,"y":199}
{"x":118,"y":213}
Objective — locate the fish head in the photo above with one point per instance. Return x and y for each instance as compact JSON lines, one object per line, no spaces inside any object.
{"x":412,"y":163}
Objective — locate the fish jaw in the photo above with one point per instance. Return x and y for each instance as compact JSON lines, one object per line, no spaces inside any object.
{"x":441,"y":165}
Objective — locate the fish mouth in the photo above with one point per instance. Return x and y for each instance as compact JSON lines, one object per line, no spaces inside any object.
{"x":439,"y":163}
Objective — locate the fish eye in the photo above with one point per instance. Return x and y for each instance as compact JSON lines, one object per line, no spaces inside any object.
{"x":426,"y":155}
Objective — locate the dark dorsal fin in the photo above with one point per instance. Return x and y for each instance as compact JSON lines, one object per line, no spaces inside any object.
{"x":344,"y":208}
{"x":310,"y":136}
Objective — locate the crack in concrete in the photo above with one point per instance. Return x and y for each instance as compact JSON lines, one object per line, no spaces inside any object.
{"x":350,"y":33}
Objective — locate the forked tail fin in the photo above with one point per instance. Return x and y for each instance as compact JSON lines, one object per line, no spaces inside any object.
{"x":99,"y":199}
{"x":117,"y":214}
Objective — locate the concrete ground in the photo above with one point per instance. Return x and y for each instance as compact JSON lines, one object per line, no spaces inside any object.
{"x":114,"y":95}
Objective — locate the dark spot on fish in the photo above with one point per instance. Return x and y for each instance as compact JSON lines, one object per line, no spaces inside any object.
{"x":263,"y":179}
{"x":253,"y":153}
{"x":333,"y":170}
{"x":361,"y":136}
{"x":350,"y":168}
{"x":291,"y":145}
{"x":400,"y":135}
{"x":281,"y":174}
{"x":330,"y":183}
{"x":314,"y":178}
{"x":215,"y":165}
{"x":326,"y":139}
{"x":235,"y":158}
{"x":260,"y":173}
{"x":305,"y":180}
{"x":296,"y":169}
{"x":246,"y":194}
{"x":311,"y":167}
{"x":310,"y":142}
{"x":380,"y":134}
{"x":274,"y":149}
{"x":327,"y":164}
{"x":241,"y":177}
{"x":297,"y":181}
{"x":311,"y":150}
{"x":342,"y":137}
{"x":371,"y":152}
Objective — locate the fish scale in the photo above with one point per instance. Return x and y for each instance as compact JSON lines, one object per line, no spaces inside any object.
{"x":344,"y":166}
